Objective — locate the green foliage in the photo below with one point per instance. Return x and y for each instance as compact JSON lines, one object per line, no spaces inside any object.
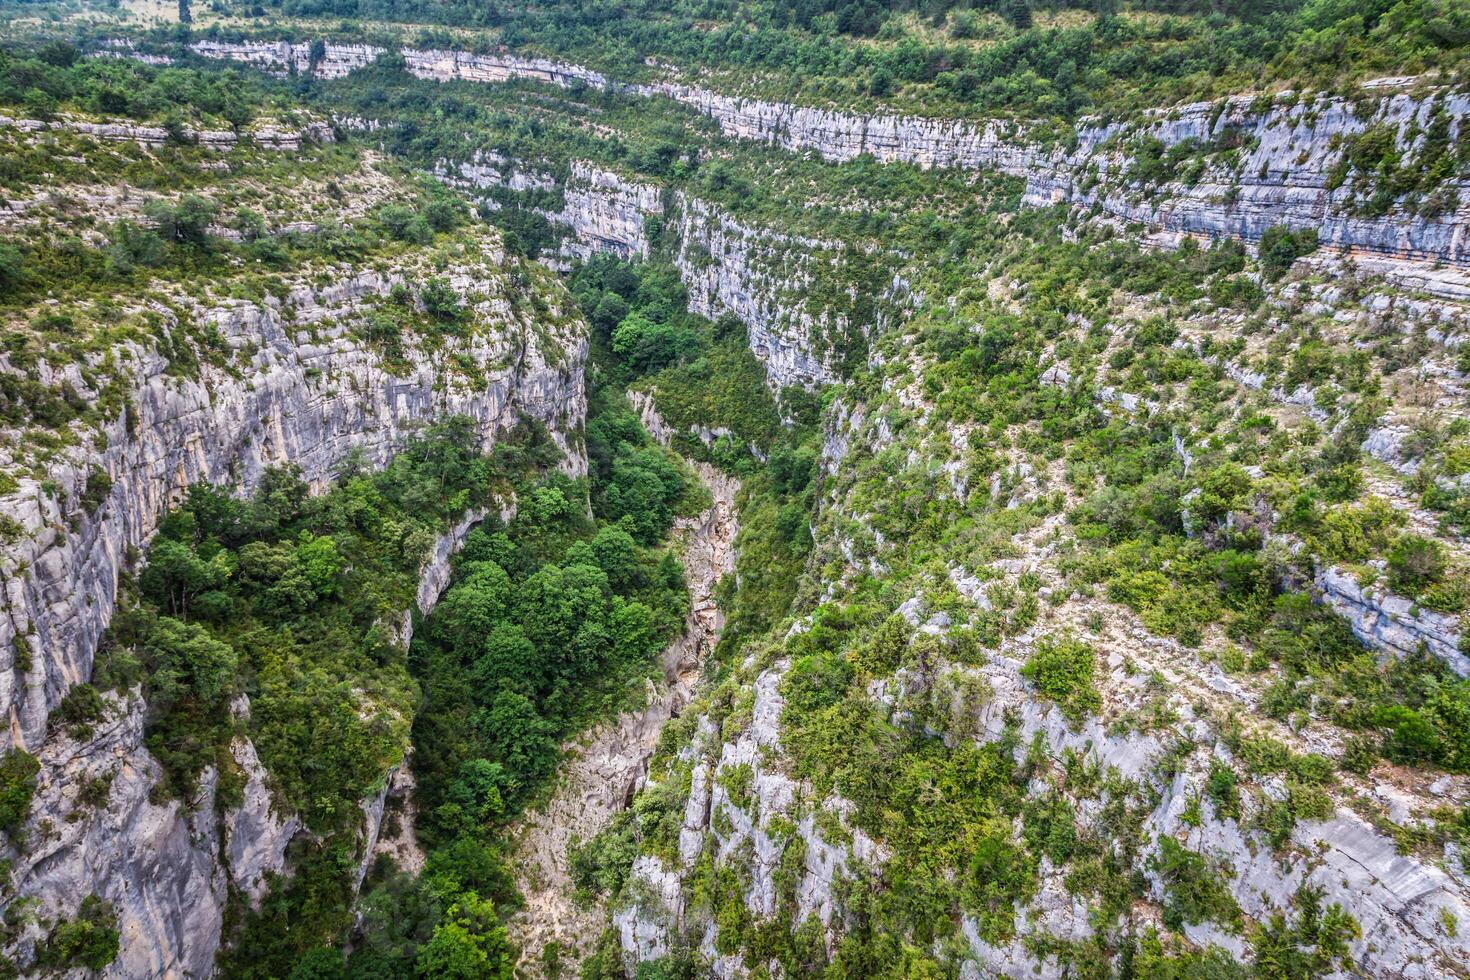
{"x":59,"y":78}
{"x":79,"y":710}
{"x":469,"y":944}
{"x":601,"y":866}
{"x":87,"y":942}
{"x":635,"y":484}
{"x":1195,"y":888}
{"x":1062,"y":671}
{"x":544,"y":623}
{"x":1222,"y":791}
{"x":1312,"y":943}
{"x":1280,"y":247}
{"x":1415,"y":563}
{"x":285,"y":598}
{"x":18,"y":769}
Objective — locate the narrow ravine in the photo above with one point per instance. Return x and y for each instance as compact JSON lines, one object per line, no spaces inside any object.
{"x":609,"y":763}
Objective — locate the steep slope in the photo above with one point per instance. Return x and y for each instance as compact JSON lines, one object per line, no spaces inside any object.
{"x":1096,"y":609}
{"x":610,"y":763}
{"x":186,"y":382}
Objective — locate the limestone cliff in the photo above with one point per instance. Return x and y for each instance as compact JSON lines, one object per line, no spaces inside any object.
{"x":1262,"y":162}
{"x":298,"y":386}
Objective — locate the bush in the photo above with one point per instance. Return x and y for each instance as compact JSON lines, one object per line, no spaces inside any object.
{"x":1062,"y":670}
{"x":1280,"y":247}
{"x":441,"y":301}
{"x":1195,"y":888}
{"x":89,"y":942}
{"x":1415,"y":563}
{"x":18,"y":771}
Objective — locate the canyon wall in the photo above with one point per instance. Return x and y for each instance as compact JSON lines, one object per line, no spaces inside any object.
{"x":166,"y":867}
{"x":309,"y":394}
{"x":297,"y":386}
{"x":787,"y":289}
{"x":1263,"y":162}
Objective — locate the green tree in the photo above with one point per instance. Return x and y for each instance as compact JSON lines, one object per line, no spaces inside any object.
{"x":468,"y":945}
{"x":187,"y":661}
{"x":323,"y":963}
{"x":1280,"y":247}
{"x":470,"y":612}
{"x":319,"y":562}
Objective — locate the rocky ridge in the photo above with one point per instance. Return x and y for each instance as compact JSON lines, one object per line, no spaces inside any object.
{"x":266,"y":135}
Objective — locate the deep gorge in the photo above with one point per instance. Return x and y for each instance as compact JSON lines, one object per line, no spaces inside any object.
{"x":474,"y":504}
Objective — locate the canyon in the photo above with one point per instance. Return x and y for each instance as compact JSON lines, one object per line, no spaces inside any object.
{"x":1145,"y":421}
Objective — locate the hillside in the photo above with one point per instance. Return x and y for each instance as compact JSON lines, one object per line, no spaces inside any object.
{"x":660,"y":490}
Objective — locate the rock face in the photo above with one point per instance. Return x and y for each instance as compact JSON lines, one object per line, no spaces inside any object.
{"x":335,"y":60}
{"x":1261,"y":163}
{"x":155,"y":862}
{"x":606,"y":213}
{"x":266,"y":136}
{"x":612,"y":761}
{"x":302,"y":390}
{"x":1281,"y":174}
{"x":767,"y":278}
{"x":302,"y":399}
{"x":1390,"y":623}
{"x":286,"y":58}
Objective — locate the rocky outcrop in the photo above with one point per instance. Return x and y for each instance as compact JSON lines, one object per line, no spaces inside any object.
{"x":305,"y":392}
{"x":1260,"y":163}
{"x":606,"y":213}
{"x":285,"y":58}
{"x":1392,"y":624}
{"x":447,"y":66}
{"x":327,"y":60}
{"x":486,"y":170}
{"x":94,"y":829}
{"x":752,"y":828}
{"x":1270,"y":165}
{"x":267,"y":136}
{"x":255,"y":833}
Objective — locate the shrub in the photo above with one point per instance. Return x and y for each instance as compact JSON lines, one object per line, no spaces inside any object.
{"x":18,"y":771}
{"x":440,"y":300}
{"x":90,"y":941}
{"x":1062,"y":671}
{"x":1195,"y":888}
{"x":1415,"y":563}
{"x":1280,"y":247}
